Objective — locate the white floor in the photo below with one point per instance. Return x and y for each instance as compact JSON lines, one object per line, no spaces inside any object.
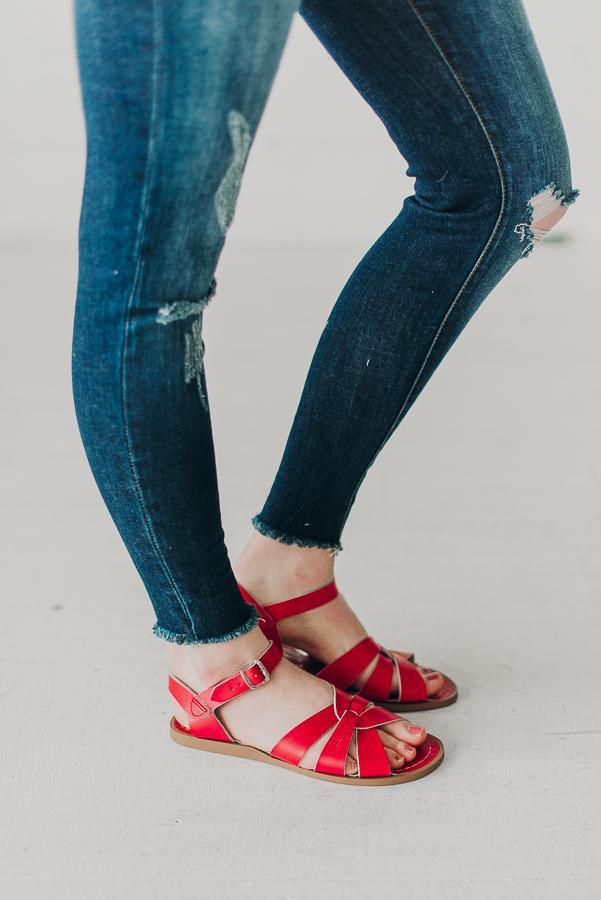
{"x":475,"y":541}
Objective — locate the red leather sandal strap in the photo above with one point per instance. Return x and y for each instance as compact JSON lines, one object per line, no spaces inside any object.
{"x":202,"y":721}
{"x":332,"y":759}
{"x":186,"y":698}
{"x":304,"y":602}
{"x":255,"y":674}
{"x":266,"y":623}
{"x":351,"y":715}
{"x":293,"y":746}
{"x":347,"y":668}
{"x":377,"y":686}
{"x":413,"y":686}
{"x":376,"y":717}
{"x":371,"y":755}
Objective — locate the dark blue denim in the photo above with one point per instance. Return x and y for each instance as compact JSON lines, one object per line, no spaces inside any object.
{"x":173,"y":93}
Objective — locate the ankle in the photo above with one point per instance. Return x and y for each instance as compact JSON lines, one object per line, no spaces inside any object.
{"x":270,"y":568}
{"x":201,"y":665}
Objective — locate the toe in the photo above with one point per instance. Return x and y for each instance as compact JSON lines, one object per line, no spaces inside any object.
{"x":434,"y":681}
{"x":395,"y":760}
{"x":350,"y":767}
{"x":396,"y":746}
{"x":402,"y":750}
{"x":403,"y":730}
{"x":407,"y":751}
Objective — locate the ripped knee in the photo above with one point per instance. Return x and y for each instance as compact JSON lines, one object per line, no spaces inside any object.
{"x":545,"y":209}
{"x":190,"y":312}
{"x":227,"y":192}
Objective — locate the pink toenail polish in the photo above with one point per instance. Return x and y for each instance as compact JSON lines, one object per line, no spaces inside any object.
{"x":416,"y":729}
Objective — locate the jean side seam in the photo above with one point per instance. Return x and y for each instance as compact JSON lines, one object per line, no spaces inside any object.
{"x":475,"y":267}
{"x":140,"y":235}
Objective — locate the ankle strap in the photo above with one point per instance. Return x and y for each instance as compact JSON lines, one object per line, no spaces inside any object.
{"x":253,"y":675}
{"x":304,"y":603}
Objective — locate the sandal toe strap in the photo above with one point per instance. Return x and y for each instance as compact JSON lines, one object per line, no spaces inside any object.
{"x":293,"y":746}
{"x":351,"y":716}
{"x":412,"y":685}
{"x":371,"y":755}
{"x":379,"y":684}
{"x":345,"y":670}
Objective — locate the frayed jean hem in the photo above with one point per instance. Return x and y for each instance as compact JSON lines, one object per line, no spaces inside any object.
{"x":174,"y":638}
{"x":291,"y":539}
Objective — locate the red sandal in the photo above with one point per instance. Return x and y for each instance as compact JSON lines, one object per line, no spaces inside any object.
{"x":348,"y":716}
{"x":343,"y":672}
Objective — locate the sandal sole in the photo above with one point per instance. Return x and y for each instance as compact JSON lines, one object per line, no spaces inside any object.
{"x":446,"y":696}
{"x":429,"y":757}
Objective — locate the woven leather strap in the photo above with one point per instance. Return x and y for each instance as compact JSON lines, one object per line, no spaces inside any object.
{"x":345,"y":670}
{"x":350,"y":716}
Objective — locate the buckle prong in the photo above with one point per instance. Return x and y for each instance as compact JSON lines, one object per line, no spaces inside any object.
{"x":263,"y":670}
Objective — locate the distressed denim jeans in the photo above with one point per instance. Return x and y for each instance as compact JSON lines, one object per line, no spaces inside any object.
{"x":173,"y":94}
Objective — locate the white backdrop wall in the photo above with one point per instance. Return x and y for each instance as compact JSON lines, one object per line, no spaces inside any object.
{"x":322,"y":168}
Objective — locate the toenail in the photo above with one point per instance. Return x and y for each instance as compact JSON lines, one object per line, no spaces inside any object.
{"x":416,"y":729}
{"x":409,"y":748}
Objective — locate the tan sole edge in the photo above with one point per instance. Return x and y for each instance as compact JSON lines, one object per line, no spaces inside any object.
{"x":418,"y":706}
{"x":246,"y":752}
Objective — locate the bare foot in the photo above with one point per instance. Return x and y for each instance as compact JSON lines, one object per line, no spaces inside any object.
{"x":272,"y":571}
{"x":262,"y":717}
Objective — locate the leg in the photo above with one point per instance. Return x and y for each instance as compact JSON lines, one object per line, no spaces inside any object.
{"x":173,"y":93}
{"x":465,"y":98}
{"x":466,"y":101}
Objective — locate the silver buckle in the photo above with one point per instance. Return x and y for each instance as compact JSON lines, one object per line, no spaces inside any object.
{"x":263,"y":670}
